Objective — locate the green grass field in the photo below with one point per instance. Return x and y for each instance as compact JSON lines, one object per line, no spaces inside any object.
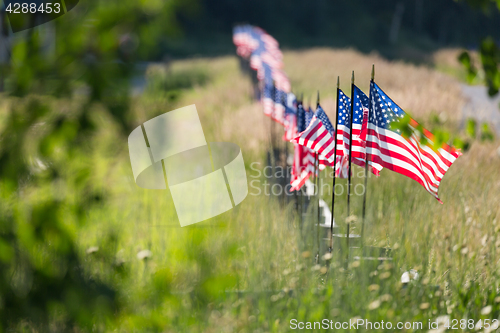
{"x":252,"y":269}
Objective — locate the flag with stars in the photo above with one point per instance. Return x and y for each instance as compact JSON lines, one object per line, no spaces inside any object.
{"x":411,"y":154}
{"x":310,"y":156}
{"x":278,"y":114}
{"x":290,"y":117}
{"x":319,"y":136}
{"x":360,"y":116}
{"x":305,"y":158}
{"x":268,"y":99}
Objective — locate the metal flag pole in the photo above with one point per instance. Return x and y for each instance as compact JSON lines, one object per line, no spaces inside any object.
{"x":300,"y":171}
{"x":366,"y":162}
{"x":283,"y":154}
{"x":350,"y":164}
{"x":316,"y":188}
{"x":334,"y":164}
{"x":317,"y":193}
{"x":272,"y":156}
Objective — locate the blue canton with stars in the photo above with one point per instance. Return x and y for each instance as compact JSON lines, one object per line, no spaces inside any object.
{"x":309,"y":117}
{"x":384,"y":110}
{"x":321,"y":115}
{"x":301,"y":120}
{"x":290,"y":106}
{"x":344,"y":109}
{"x":360,"y":101}
{"x":279,"y":97}
{"x":268,"y":91}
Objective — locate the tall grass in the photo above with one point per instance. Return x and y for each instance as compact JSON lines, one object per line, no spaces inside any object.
{"x":252,"y":269}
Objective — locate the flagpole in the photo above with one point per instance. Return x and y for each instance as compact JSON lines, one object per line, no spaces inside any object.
{"x":334,"y":165}
{"x":300,"y":171}
{"x":366,"y":163}
{"x":316,"y":176}
{"x":317,"y":194}
{"x":272,"y":155}
{"x":283,"y":154}
{"x":350,"y":165}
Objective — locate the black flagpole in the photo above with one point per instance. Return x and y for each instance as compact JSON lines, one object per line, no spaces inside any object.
{"x":283,"y":150}
{"x":349,"y":171}
{"x":366,"y":161}
{"x":272,"y":155}
{"x":317,"y":194}
{"x":300,"y":171}
{"x":334,"y":164}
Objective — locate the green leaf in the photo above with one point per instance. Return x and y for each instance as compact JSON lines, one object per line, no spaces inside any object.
{"x":470,"y":128}
{"x":466,"y":61}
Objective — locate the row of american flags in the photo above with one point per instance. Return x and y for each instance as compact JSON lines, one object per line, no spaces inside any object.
{"x":375,"y":120}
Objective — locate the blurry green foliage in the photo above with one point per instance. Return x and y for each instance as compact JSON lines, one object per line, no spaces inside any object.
{"x":440,"y":135}
{"x":489,"y":52}
{"x":170,"y":83}
{"x":470,"y":128}
{"x":465,"y":59}
{"x":486,"y":133}
{"x":53,"y":103}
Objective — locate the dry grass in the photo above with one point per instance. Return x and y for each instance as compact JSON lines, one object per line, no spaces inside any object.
{"x":419,"y":90}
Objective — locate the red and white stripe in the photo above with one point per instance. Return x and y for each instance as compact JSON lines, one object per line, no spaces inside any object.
{"x":358,"y":149}
{"x":268,"y":106}
{"x":279,"y":113}
{"x":300,"y":172}
{"x":317,"y":138}
{"x":409,"y":157}
{"x":281,"y":80}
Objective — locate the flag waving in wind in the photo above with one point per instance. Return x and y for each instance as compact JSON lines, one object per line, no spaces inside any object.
{"x":359,"y":131}
{"x":319,"y":136}
{"x":412,"y":154}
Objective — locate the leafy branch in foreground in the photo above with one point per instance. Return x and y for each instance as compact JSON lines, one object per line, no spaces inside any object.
{"x":489,"y":52}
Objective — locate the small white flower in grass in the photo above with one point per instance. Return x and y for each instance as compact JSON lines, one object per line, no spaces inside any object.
{"x":424,"y":306}
{"x":486,"y":310}
{"x":92,"y":249}
{"x":409,"y":276}
{"x":327,"y":256}
{"x":144,"y":254}
{"x":374,"y":305}
{"x":352,"y":218}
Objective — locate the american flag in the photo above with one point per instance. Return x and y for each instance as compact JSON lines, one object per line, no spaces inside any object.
{"x":246,"y":40}
{"x":290,"y":117}
{"x":310,"y":157}
{"x":303,"y":161}
{"x":409,"y":156}
{"x":279,"y":106}
{"x":360,"y":112}
{"x":319,"y":136}
{"x":263,"y":51}
{"x":268,"y":98}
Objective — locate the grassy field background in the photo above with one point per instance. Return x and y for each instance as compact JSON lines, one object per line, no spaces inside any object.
{"x":252,"y":268}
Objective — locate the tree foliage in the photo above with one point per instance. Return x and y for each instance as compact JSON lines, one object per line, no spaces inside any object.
{"x":489,"y":52}
{"x":50,"y":117}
